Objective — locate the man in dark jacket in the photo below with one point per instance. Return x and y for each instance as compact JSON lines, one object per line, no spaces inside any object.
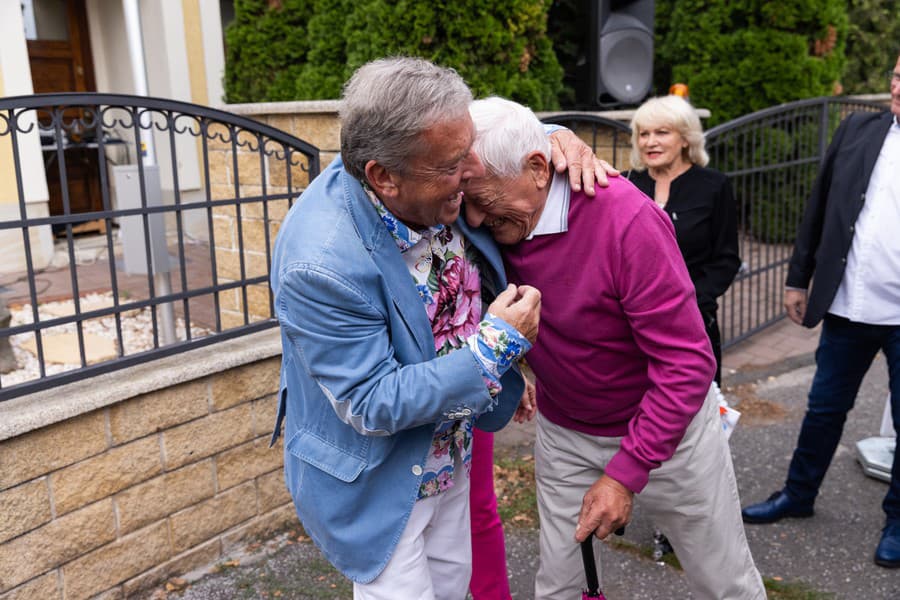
{"x":848,"y":240}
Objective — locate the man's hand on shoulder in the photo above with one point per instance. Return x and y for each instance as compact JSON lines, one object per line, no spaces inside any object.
{"x":569,"y":152}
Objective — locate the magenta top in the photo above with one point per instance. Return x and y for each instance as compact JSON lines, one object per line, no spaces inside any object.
{"x":622,"y":350}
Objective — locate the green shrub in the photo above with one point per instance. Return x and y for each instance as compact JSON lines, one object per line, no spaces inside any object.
{"x":739,"y":56}
{"x":499,"y":47}
{"x":873,"y":44}
{"x":264,"y":49}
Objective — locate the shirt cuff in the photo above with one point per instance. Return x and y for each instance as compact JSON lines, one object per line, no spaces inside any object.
{"x":496,"y":346}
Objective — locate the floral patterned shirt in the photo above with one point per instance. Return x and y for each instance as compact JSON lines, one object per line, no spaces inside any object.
{"x":447,"y":279}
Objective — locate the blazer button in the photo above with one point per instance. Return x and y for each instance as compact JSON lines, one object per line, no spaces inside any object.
{"x":417,"y":470}
{"x":844,"y":260}
{"x":466,"y":412}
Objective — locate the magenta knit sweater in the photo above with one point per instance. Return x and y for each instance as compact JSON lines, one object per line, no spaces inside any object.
{"x":622,"y":350}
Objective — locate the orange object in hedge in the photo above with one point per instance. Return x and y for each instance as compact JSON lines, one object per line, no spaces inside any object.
{"x":679,"y":89}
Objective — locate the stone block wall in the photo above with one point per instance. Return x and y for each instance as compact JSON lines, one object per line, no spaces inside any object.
{"x":120,"y":498}
{"x":244,"y":234}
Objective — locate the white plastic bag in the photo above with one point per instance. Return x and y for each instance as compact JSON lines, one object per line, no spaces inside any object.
{"x":728,"y":415}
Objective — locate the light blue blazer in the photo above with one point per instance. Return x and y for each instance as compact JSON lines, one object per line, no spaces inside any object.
{"x":361,"y":386}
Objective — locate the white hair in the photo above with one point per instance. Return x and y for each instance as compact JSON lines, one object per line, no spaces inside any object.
{"x":669,"y":111}
{"x":506,"y":133}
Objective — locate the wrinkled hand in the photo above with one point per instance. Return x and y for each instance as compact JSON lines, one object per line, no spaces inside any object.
{"x":569,"y":152}
{"x":520,"y":307}
{"x":605,"y":508}
{"x":795,"y":305}
{"x":527,"y":405}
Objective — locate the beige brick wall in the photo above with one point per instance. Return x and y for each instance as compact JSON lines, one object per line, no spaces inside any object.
{"x":119,"y":499}
{"x":230,"y":162}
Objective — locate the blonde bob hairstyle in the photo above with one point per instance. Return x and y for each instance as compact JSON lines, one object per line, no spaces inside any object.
{"x":673,"y":112}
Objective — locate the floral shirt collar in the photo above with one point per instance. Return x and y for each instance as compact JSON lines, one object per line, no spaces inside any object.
{"x":404,"y":237}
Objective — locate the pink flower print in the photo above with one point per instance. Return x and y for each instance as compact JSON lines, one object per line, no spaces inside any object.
{"x":440,"y":447}
{"x":445,"y":480}
{"x":457,"y":303}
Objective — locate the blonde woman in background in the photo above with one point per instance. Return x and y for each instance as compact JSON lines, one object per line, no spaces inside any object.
{"x":669,"y":160}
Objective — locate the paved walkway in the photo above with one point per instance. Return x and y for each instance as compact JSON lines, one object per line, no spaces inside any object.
{"x":784,"y":341}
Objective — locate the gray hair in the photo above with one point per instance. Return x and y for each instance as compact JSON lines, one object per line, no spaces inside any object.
{"x":669,"y":111}
{"x":388,"y":103}
{"x":506,"y":133}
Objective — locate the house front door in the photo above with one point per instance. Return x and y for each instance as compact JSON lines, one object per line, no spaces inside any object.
{"x":60,"y":57}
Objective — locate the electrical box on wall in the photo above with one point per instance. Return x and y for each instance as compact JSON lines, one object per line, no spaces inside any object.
{"x":131,"y":228}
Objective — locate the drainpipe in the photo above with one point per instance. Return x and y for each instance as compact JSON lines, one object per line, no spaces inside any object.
{"x":139,"y":71}
{"x":147,"y":154}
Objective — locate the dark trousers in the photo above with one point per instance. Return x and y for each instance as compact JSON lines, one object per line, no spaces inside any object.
{"x":715,"y":339}
{"x":845,"y":353}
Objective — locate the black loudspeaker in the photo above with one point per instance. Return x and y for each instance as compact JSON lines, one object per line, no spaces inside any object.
{"x":621,"y":44}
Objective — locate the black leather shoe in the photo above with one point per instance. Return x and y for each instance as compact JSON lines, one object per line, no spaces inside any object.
{"x":888,"y":552}
{"x":777,"y":507}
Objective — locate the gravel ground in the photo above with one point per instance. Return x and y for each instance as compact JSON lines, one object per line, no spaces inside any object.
{"x":137,"y":334}
{"x":831,"y":553}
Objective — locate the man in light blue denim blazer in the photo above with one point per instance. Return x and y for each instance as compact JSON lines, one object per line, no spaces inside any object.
{"x":363,"y":388}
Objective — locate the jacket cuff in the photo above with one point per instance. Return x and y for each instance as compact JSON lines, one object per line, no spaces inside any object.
{"x":496,"y":347}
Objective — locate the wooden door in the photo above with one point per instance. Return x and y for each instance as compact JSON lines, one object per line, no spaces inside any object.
{"x":60,"y":57}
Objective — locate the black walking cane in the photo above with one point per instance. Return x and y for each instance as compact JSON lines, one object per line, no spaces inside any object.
{"x":590,"y":568}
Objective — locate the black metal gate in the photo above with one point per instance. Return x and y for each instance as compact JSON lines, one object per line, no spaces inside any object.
{"x":230,"y":177}
{"x":772,"y":158}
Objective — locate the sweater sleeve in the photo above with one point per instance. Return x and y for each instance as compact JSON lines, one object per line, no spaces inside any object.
{"x":658,"y":300}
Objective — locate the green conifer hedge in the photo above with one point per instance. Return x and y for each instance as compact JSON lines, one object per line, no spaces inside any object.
{"x":306,"y":49}
{"x":740,"y":56}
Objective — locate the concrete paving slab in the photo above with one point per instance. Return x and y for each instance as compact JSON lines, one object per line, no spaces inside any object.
{"x":62,"y":348}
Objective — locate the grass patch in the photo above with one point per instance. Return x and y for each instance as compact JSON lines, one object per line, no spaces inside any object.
{"x":645,"y":552}
{"x":312,"y":578}
{"x":776,"y":589}
{"x":516,"y":497}
{"x":780,"y":590}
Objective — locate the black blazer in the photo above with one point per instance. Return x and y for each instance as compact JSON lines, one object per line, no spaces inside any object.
{"x":702,"y":208}
{"x":829,"y":220}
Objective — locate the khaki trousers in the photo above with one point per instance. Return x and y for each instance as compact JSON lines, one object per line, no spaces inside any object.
{"x":692,"y":498}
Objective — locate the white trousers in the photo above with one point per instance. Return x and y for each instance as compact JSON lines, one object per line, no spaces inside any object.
{"x":433,"y":559}
{"x":692,"y":498}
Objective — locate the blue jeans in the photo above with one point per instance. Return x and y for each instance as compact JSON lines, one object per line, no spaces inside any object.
{"x":845,"y":353}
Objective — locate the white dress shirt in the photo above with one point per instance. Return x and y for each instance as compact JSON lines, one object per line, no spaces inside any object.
{"x":870,"y":290}
{"x":555,"y":216}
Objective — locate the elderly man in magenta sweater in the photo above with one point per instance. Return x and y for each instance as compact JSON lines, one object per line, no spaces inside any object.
{"x":623,"y":365}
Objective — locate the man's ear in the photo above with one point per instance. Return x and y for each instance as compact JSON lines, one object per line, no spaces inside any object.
{"x":381,"y":181}
{"x":536,"y":164}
